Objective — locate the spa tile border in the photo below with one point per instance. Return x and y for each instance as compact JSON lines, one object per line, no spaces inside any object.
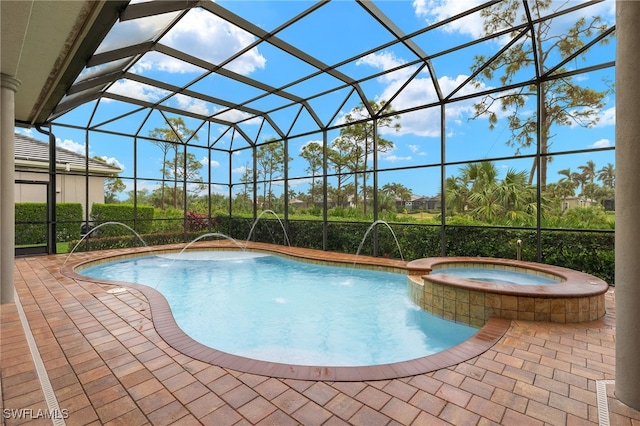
{"x":575,"y":297}
{"x":572,"y":283}
{"x":171,"y":333}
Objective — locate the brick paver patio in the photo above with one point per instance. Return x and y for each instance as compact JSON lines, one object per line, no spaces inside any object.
{"x":107,"y":364}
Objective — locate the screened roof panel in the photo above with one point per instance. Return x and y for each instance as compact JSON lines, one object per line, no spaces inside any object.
{"x":566,"y":37}
{"x":593,"y":55}
{"x":388,"y":58}
{"x":304,"y":123}
{"x":135,"y":31}
{"x":277,"y":69}
{"x":405,"y":88}
{"x":161,"y":67}
{"x":407,"y":15}
{"x":268,"y":16}
{"x":467,"y":28}
{"x":491,"y":66}
{"x":91,"y":73}
{"x":206,"y":36}
{"x":240,"y":63}
{"x":191,"y":104}
{"x":319,"y":83}
{"x":269,"y":103}
{"x":138,"y":91}
{"x":251,"y":128}
{"x":231,"y":89}
{"x":115,"y":116}
{"x":327,"y":106}
{"x":333,"y":24}
{"x":231,"y":115}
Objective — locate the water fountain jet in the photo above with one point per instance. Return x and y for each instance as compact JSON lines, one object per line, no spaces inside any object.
{"x":85,"y":236}
{"x":255,"y":222}
{"x":377,"y":222}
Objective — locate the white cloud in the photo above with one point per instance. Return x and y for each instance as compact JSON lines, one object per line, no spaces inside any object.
{"x":241,"y":169}
{"x":434,"y":11}
{"x":235,"y":116}
{"x":213,"y":163}
{"x":385,"y":61}
{"x":72,"y":146}
{"x":416,"y":149}
{"x":214,"y":39}
{"x":607,"y":117}
{"x":420,"y":91}
{"x":112,"y":161}
{"x":136,"y":90}
{"x":395,"y":158}
{"x":26,"y":132}
{"x":438,"y":10}
{"x":196,"y":106}
{"x":219,"y":189}
{"x":602,"y":143}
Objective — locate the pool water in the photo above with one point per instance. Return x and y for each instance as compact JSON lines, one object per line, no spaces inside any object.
{"x":271,"y":308}
{"x":499,"y":276}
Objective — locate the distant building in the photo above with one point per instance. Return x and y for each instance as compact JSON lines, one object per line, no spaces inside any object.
{"x":418,"y":203}
{"x":32,"y":174}
{"x":569,"y":202}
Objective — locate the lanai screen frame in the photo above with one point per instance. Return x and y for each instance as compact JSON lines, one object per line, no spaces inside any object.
{"x":93,"y":89}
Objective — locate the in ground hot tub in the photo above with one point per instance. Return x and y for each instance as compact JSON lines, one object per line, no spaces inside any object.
{"x":473,"y":289}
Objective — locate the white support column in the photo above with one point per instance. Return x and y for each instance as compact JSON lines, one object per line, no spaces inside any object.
{"x":7,"y":187}
{"x":627,"y":272}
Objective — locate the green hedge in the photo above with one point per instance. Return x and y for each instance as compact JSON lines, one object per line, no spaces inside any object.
{"x":140,"y":219}
{"x":587,"y":251}
{"x":126,"y":241}
{"x":68,"y":218}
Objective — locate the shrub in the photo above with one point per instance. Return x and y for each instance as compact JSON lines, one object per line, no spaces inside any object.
{"x":198,"y":222}
{"x":167,"y":220}
{"x":31,"y":222}
{"x":140,"y":218}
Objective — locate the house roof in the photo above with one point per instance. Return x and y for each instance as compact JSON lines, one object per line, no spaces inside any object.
{"x":31,"y":153}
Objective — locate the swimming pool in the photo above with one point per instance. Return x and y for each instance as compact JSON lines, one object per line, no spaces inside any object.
{"x":266,"y":307}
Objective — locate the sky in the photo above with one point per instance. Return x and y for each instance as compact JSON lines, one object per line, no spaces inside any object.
{"x":416,"y":144}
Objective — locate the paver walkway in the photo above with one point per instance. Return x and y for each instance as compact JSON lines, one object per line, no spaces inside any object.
{"x":108,"y":365}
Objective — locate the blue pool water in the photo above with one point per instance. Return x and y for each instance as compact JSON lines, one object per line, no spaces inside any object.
{"x":274,"y":309}
{"x":499,"y":276}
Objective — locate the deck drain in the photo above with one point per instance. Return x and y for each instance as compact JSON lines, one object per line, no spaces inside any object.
{"x":53,"y":409}
{"x":117,"y":290}
{"x":603,"y":403}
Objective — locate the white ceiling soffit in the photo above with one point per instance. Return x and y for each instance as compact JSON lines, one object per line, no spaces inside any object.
{"x":45,"y":45}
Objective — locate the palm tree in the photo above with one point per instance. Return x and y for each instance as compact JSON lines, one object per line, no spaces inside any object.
{"x":487,"y":205}
{"x":580,"y":181}
{"x":457,"y":194}
{"x":517,"y":197}
{"x":588,"y":171}
{"x":397,"y":191}
{"x":572,"y":179}
{"x":607,"y":175}
{"x":480,"y":174}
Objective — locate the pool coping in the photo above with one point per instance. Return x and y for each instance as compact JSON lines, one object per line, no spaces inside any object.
{"x":168,"y":329}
